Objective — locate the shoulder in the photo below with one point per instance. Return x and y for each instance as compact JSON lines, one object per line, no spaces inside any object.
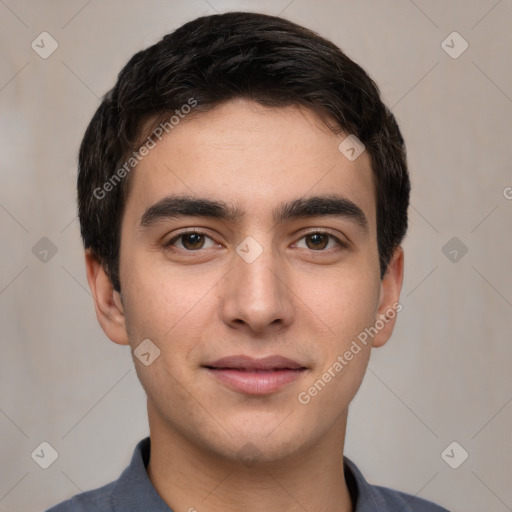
{"x":89,"y":501}
{"x":389,"y":499}
{"x":375,"y":498}
{"x":131,"y":491}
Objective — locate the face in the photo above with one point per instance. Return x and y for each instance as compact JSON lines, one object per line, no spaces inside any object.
{"x":256,"y":271}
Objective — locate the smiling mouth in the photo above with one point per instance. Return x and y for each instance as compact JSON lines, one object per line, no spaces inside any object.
{"x":255,"y":376}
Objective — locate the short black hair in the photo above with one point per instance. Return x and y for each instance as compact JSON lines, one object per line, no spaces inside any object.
{"x":214,"y":59}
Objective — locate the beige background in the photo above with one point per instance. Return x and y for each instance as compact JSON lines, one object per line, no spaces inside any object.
{"x":446,"y":374}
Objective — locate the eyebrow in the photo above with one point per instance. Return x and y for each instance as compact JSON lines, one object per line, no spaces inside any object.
{"x":175,"y":206}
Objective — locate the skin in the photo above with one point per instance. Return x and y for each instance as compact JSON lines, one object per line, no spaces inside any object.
{"x":295,"y":300}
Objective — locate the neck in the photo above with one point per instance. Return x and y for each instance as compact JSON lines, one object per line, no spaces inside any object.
{"x":191,"y":478}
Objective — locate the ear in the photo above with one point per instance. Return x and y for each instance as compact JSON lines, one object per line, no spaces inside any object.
{"x":389,"y":305}
{"x":109,"y":308}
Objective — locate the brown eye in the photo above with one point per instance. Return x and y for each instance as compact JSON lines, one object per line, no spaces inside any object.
{"x":319,"y":241}
{"x":190,"y":241}
{"x":193,"y":241}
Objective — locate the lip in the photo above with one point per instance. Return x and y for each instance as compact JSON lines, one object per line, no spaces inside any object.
{"x":255,"y":376}
{"x":241,"y":362}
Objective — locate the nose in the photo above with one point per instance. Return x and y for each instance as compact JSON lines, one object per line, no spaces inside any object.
{"x":257,"y":296}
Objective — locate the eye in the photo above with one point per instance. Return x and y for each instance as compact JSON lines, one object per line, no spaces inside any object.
{"x":195,"y":240}
{"x":191,"y":240}
{"x":319,"y":240}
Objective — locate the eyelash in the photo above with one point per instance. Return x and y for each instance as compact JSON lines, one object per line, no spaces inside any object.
{"x":340,"y":243}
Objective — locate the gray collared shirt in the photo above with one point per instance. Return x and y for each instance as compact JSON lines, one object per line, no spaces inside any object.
{"x":134,"y":492}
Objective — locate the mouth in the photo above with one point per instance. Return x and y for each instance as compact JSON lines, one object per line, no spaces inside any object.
{"x":255,"y":376}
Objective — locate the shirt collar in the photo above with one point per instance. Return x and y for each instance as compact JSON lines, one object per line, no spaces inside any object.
{"x":134,"y":491}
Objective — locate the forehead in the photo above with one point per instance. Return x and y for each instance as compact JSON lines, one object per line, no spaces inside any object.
{"x":252,"y":157}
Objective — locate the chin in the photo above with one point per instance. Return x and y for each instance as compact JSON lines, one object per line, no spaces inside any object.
{"x":258,"y":442}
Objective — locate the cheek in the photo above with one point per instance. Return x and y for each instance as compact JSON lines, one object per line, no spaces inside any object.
{"x":162,"y":302}
{"x":344,"y":302}
{"x":173,"y":313}
{"x":342,"y":353}
{"x":343,"y":307}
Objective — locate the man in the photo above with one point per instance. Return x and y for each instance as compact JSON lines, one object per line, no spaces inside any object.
{"x":243,"y":195}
